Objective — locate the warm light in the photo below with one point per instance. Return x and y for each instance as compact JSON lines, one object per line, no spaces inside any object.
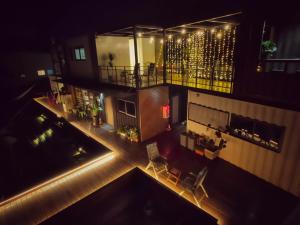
{"x":219,"y":35}
{"x":151,"y":39}
{"x":183,"y":31}
{"x":213,"y":30}
{"x":199,"y":32}
{"x":139,"y":34}
{"x":161,"y":41}
{"x":178,"y":41}
{"x":189,"y":40}
{"x":170,"y":36}
{"x":227,"y":27}
{"x":41,"y":72}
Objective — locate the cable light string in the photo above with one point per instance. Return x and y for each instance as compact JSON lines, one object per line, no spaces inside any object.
{"x":203,"y":55}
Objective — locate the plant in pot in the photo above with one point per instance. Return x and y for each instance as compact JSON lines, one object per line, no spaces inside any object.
{"x":268,"y":48}
{"x":122,"y":131}
{"x":95,"y":115}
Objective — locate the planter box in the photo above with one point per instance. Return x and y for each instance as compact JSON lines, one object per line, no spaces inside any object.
{"x":211,"y":154}
{"x":183,"y":139}
{"x":191,"y":143}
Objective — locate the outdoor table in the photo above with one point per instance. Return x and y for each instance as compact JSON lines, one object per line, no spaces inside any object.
{"x":174,"y":175}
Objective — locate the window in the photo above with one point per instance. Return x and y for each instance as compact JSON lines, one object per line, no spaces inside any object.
{"x":41,"y":72}
{"x":258,"y":132}
{"x":126,"y":107}
{"x":79,"y":54}
{"x":207,"y":116}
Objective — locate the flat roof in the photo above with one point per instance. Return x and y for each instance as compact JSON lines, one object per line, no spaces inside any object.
{"x":134,"y":198}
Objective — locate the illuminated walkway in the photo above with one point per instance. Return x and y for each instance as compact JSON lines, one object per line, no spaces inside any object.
{"x":226,"y":195}
{"x":42,"y":202}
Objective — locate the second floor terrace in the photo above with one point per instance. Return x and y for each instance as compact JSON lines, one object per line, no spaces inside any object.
{"x":131,"y":57}
{"x":199,"y":55}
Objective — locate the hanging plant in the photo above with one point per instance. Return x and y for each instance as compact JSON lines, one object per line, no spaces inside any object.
{"x":269,"y":48}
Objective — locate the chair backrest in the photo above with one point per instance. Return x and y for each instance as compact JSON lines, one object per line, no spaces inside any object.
{"x":200,"y":177}
{"x":152,"y":151}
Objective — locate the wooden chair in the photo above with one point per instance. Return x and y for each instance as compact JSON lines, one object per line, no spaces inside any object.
{"x":192,"y":183}
{"x":156,"y":162}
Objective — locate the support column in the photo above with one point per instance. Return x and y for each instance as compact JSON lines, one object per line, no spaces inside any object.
{"x":164,"y":56}
{"x":136,"y":65}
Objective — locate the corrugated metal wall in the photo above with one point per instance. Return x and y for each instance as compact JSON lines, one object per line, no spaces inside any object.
{"x":281,"y":169}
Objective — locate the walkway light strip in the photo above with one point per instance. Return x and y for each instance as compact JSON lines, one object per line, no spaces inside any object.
{"x":63,"y":177}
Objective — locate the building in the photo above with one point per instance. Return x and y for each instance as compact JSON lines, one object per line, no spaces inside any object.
{"x":236,"y":74}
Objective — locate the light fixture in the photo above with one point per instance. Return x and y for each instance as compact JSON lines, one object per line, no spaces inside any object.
{"x":139,"y":34}
{"x":200,"y":32}
{"x":178,"y":40}
{"x":227,"y":27}
{"x":151,"y":39}
{"x":183,"y":31}
{"x":219,"y":35}
{"x":161,"y":41}
{"x":170,"y":36}
{"x":189,"y":39}
{"x":213,"y":30}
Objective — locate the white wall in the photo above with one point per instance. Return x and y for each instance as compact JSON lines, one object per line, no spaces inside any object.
{"x":119,"y":46}
{"x":281,"y":169}
{"x":123,"y":49}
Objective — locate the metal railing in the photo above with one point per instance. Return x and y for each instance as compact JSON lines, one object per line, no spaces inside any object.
{"x":290,"y":66}
{"x":127,"y":76}
{"x":216,"y":79}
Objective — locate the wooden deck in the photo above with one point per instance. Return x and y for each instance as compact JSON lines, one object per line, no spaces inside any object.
{"x":227,"y":194}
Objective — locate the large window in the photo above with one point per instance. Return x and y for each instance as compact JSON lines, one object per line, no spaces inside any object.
{"x":207,"y":116}
{"x":126,"y":107}
{"x":261,"y":133}
{"x":79,"y":54}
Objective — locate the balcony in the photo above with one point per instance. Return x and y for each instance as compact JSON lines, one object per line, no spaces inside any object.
{"x":201,"y":54}
{"x":126,"y":76}
{"x":131,"y":57}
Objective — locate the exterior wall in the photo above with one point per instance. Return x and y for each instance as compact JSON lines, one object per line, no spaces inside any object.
{"x":80,"y":69}
{"x":281,"y":169}
{"x":150,"y":102}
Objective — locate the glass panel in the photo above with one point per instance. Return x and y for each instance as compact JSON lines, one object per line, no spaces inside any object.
{"x":77,"y":54}
{"x":82,"y":54}
{"x":121,"y":106}
{"x":130,"y":107}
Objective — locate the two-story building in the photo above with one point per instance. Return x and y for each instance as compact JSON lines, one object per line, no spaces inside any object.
{"x":237,"y":74}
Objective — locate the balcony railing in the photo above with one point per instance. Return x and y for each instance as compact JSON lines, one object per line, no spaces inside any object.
{"x":216,"y":79}
{"x":290,"y":66}
{"x":126,"y":76}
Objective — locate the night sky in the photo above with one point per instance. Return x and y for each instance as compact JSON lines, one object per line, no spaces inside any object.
{"x":28,"y":25}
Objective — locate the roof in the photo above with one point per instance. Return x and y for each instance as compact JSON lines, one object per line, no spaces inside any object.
{"x":134,"y":198}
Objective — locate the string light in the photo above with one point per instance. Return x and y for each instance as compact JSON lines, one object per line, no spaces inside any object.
{"x":161,"y":41}
{"x":170,"y":36}
{"x":196,"y":56}
{"x":151,"y":40}
{"x":183,"y":31}
{"x":139,"y":34}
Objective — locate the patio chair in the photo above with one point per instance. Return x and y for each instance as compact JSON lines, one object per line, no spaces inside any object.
{"x":157,"y":162}
{"x":192,"y":182}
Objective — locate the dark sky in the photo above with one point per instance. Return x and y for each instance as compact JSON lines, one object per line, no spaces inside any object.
{"x":29,"y":24}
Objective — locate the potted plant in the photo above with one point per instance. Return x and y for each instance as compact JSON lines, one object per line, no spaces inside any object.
{"x":122,"y":131}
{"x":95,"y":115}
{"x":268,"y":48}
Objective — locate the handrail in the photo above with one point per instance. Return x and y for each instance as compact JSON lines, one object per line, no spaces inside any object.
{"x":282,"y":60}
